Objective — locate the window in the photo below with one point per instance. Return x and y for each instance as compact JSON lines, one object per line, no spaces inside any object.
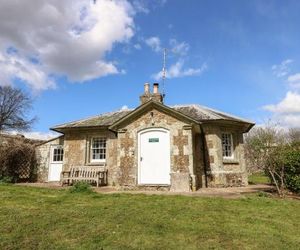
{"x":98,"y":149}
{"x":227,"y":145}
{"x":58,"y":154}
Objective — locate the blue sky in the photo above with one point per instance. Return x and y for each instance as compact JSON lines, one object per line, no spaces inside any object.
{"x":79,"y":59}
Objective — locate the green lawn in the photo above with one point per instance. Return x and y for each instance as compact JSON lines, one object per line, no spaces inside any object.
{"x":36,"y":218}
{"x":258,"y":178}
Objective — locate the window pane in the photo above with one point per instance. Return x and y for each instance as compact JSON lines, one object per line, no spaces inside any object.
{"x":227,"y":145}
{"x":98,"y":149}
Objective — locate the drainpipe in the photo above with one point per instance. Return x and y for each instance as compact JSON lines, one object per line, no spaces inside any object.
{"x":204,"y":155}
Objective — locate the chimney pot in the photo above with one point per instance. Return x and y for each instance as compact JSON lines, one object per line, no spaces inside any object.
{"x":147,"y":88}
{"x":155,"y":88}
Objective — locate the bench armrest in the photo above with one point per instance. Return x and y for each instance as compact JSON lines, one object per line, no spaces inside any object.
{"x":65,"y":174}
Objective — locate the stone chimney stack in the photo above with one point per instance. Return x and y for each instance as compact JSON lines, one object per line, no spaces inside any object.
{"x":155,"y":88}
{"x":147,"y":88}
{"x":147,"y":95}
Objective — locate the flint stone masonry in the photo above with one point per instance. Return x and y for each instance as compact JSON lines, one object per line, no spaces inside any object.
{"x":128,"y":146}
{"x":225,"y":172}
{"x":196,"y":156}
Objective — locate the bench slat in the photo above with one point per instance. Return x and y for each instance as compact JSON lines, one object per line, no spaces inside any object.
{"x":89,"y":174}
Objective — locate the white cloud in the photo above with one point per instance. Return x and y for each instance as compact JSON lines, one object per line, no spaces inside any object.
{"x":141,"y":6}
{"x":290,"y":104}
{"x":179,"y":48}
{"x":287,"y":111}
{"x":175,"y":47}
{"x":70,"y":38}
{"x":177,"y":70}
{"x":13,"y":66}
{"x":137,"y":46}
{"x":154,"y":43}
{"x":294,"y":80}
{"x":124,"y":107}
{"x":282,"y":69}
{"x":37,"y":135}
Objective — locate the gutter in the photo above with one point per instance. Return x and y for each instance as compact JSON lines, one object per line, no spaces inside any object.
{"x":204,"y":155}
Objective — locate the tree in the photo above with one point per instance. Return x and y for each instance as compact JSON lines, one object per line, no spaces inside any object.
{"x":277,"y":153}
{"x":261,"y":146}
{"x":294,"y":135}
{"x":14,"y":105}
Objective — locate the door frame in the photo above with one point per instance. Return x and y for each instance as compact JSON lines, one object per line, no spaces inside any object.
{"x":139,"y":153}
{"x":52,"y":147}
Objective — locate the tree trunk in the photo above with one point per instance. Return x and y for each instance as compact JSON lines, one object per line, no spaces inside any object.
{"x":276,"y":183}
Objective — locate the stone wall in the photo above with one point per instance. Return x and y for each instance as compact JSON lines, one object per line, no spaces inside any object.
{"x":180,"y":141}
{"x":77,"y":150}
{"x":188,"y":153}
{"x":225,"y":172}
{"x":43,"y":157}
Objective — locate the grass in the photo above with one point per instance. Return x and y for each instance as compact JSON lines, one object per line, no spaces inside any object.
{"x":37,"y":218}
{"x":258,"y":178}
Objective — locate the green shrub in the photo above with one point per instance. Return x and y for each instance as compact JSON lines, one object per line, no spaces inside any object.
{"x":292,"y":170}
{"x":18,"y":161}
{"x":81,"y":187}
{"x":6,"y":179}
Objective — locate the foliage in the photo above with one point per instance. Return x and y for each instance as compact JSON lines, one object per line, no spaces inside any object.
{"x":292,"y":161}
{"x":275,"y":152}
{"x":39,"y":218}
{"x":14,"y":105}
{"x":81,"y":187}
{"x":17,"y":161}
{"x":6,"y":180}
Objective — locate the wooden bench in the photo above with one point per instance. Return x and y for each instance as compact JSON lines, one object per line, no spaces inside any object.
{"x":89,"y":174}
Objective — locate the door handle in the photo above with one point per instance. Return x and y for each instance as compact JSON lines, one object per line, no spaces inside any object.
{"x":141,"y":158}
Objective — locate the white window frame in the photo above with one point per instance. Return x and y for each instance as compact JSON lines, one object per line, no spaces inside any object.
{"x":231,"y":146}
{"x":91,"y":150}
{"x":56,"y":147}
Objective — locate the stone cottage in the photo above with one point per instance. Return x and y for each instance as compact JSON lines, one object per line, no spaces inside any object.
{"x":179,"y":148}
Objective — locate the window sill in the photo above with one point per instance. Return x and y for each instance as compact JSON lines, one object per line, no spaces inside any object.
{"x":230,"y":161}
{"x":96,"y":164}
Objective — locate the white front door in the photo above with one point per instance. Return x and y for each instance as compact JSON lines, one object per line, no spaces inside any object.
{"x":154,"y":156}
{"x":56,"y":162}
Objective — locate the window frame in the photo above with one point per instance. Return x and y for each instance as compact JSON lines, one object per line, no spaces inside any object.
{"x":100,"y":148}
{"x":231,"y":146}
{"x":61,"y":154}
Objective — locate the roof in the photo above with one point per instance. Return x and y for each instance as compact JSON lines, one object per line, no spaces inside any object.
{"x":102,"y":120}
{"x":150,"y":105}
{"x":202,"y":113}
{"x":196,"y":112}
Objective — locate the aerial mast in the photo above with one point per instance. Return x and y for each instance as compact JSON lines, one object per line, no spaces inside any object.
{"x":164,"y":72}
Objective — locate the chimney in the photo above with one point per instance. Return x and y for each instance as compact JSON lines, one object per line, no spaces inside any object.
{"x":147,"y":88}
{"x":147,"y":95}
{"x":155,"y":88}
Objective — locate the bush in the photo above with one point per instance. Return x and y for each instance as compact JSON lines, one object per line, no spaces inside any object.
{"x":18,"y":161}
{"x":292,"y":170}
{"x":286,"y":165}
{"x":5,"y":180}
{"x":81,"y":187}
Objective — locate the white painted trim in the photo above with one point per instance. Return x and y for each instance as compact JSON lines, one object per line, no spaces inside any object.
{"x":52,"y":147}
{"x":139,"y":152}
{"x":91,"y":160}
{"x":51,"y":162}
{"x":232,"y":146}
